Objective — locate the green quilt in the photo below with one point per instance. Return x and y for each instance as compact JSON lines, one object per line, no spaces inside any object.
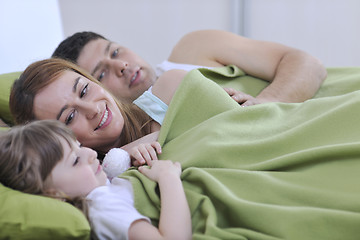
{"x":270,"y":171}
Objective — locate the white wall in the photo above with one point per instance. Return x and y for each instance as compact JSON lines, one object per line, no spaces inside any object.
{"x":149,"y":27}
{"x":28,"y":32}
{"x":325,"y":29}
{"x":328,"y":30}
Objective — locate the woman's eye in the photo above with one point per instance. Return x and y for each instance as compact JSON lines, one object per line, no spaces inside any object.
{"x":69,"y":119}
{"x":76,"y":161}
{"x":115,"y":53}
{"x":84,"y":90}
{"x":102,"y":74}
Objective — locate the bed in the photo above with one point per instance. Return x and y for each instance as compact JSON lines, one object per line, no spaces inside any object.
{"x":270,"y":171}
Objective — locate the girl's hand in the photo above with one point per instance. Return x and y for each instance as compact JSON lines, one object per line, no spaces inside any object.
{"x":144,"y":153}
{"x":162,"y":168}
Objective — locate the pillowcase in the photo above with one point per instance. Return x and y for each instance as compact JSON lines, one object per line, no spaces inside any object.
{"x":27,"y":216}
{"x":6,"y":81}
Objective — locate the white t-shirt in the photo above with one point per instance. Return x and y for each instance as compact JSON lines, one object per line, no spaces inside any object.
{"x":112,"y":210}
{"x":151,"y":104}
{"x":166,"y":66}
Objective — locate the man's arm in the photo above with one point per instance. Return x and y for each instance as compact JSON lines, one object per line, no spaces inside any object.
{"x":294,"y":75}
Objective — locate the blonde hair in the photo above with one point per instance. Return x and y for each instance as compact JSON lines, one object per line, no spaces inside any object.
{"x":29,"y":153}
{"x":42,"y":73}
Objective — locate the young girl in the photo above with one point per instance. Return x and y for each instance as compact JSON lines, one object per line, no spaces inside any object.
{"x":43,"y":157}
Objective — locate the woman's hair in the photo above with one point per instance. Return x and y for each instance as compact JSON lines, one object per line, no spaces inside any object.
{"x":71,"y":47}
{"x":42,"y":73}
{"x":29,"y":153}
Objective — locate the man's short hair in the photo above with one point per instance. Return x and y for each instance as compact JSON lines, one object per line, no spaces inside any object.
{"x":71,"y":47}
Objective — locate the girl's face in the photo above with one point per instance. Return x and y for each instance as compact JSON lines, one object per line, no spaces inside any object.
{"x":85,"y":107}
{"x":77,"y":173}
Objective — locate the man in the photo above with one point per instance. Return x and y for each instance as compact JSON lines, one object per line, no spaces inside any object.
{"x":294,"y":75}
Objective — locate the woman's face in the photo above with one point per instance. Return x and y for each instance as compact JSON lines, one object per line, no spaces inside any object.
{"x":120,"y":70}
{"x":85,"y":107}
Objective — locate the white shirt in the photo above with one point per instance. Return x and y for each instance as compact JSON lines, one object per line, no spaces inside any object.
{"x":150,"y":103}
{"x":166,"y":66}
{"x":112,"y":210}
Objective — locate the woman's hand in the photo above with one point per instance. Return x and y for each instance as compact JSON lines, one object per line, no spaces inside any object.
{"x":144,"y":153}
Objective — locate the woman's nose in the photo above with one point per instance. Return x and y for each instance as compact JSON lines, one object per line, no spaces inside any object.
{"x":91,"y":110}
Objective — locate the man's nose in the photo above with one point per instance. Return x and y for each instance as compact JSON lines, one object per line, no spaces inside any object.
{"x":119,"y":66}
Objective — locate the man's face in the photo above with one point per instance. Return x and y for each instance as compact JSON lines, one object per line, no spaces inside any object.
{"x":121,"y":71}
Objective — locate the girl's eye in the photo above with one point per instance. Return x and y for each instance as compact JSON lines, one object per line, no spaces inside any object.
{"x":69,"y":119}
{"x":115,"y":53}
{"x":76,"y":161}
{"x":84,"y":90}
{"x":102,"y":74}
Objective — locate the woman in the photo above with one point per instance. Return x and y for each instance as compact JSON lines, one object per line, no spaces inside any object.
{"x":58,"y":89}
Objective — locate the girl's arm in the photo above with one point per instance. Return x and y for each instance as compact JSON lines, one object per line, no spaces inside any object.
{"x":175,"y":220}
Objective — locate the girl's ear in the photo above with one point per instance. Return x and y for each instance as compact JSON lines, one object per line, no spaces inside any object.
{"x":53,"y":193}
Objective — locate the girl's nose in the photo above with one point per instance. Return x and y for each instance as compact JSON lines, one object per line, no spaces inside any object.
{"x":91,"y":155}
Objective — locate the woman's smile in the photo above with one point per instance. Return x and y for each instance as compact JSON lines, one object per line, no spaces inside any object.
{"x":105,"y":120}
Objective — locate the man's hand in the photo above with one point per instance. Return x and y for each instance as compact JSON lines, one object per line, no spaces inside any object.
{"x":242,"y":98}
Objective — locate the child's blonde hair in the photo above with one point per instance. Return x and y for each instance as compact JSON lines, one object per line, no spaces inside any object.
{"x":28,"y":154}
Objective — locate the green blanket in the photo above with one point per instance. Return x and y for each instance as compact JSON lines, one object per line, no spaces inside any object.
{"x":270,"y":171}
